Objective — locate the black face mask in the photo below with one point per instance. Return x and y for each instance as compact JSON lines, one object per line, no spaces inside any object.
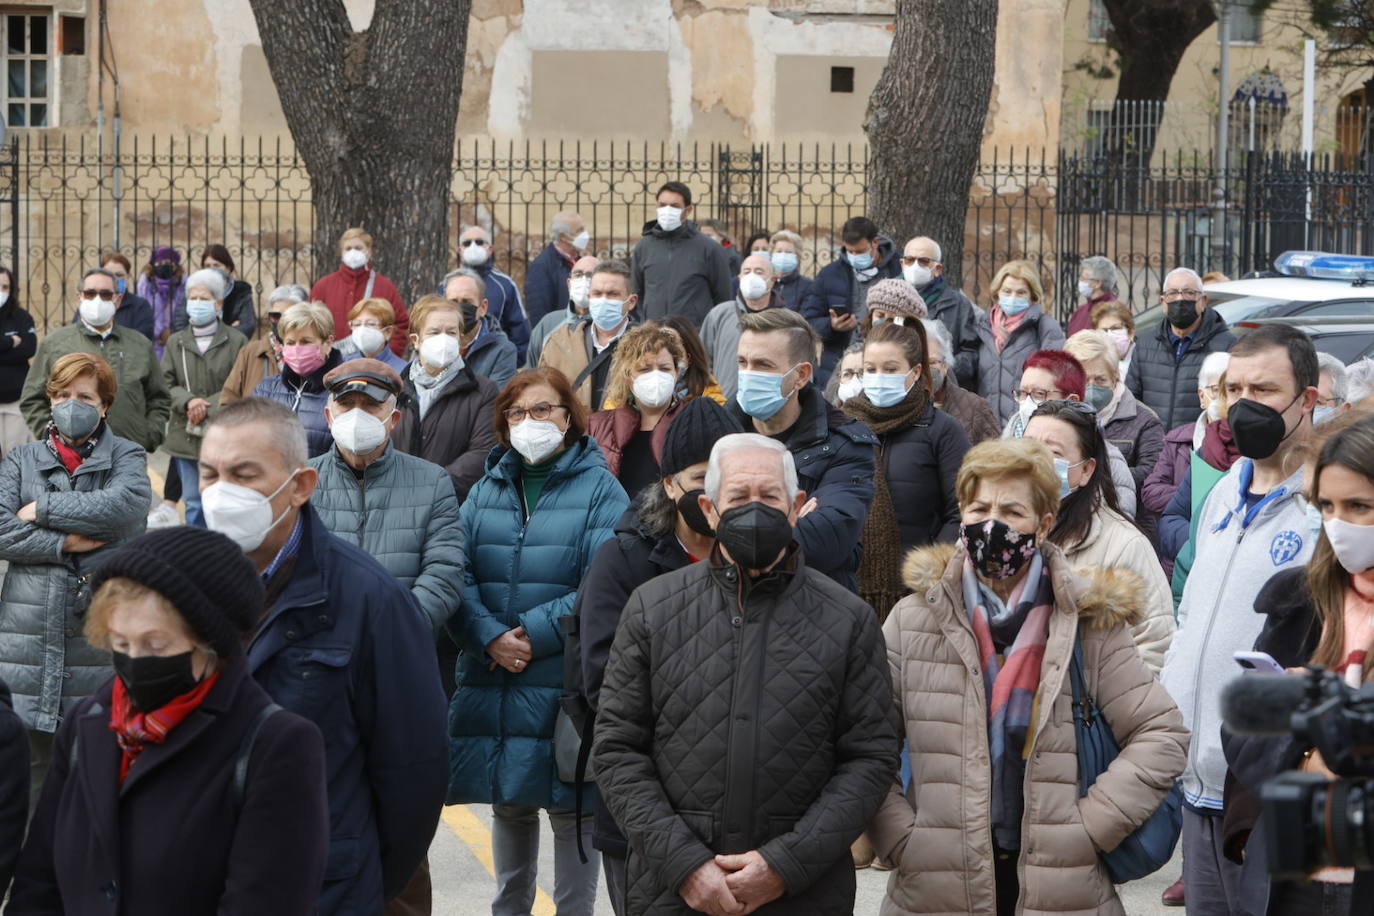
{"x":1258,"y":429}
{"x":153,"y":681}
{"x":469,"y":314}
{"x":690,"y":510}
{"x":1181,"y":313}
{"x":755,"y":534}
{"x":163,"y":271}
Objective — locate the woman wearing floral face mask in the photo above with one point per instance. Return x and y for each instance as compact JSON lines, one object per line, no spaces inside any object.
{"x":307,"y":354}
{"x":532,"y":526}
{"x":992,"y":821}
{"x":918,"y":455}
{"x":645,"y":380}
{"x":63,"y":502}
{"x":1323,"y":614}
{"x":1013,"y":328}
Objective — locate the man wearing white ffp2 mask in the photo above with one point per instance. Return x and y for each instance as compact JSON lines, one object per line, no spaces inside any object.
{"x":338,"y":641}
{"x":720,"y":331}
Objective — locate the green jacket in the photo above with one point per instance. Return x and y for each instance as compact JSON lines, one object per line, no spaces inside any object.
{"x":191,"y":374}
{"x":141,"y":405}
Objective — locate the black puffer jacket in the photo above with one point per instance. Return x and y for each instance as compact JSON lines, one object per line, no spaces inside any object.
{"x":14,"y":358}
{"x":920,"y":464}
{"x":1168,"y":386}
{"x":745,"y":715}
{"x":948,"y":305}
{"x":621,"y":565}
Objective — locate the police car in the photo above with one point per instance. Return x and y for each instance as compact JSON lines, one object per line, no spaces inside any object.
{"x":1312,"y":284}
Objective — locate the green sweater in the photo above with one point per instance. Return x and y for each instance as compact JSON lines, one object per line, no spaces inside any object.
{"x":532,"y":479}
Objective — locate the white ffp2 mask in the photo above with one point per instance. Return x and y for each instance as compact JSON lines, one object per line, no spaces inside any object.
{"x":241,"y":513}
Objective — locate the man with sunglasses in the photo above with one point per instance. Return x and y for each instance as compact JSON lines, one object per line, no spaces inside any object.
{"x":142,"y":403}
{"x":503,"y":299}
{"x":1164,"y":366}
{"x":922,"y":268}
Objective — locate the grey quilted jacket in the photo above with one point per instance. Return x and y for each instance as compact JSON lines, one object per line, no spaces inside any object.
{"x":402,"y":510}
{"x":43,"y":656}
{"x":738,"y":716}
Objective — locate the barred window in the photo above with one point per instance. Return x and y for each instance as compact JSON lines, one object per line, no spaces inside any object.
{"x":27,"y":40}
{"x":1098,"y":22}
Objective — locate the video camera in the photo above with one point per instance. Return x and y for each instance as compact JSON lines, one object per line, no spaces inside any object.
{"x":1311,"y":822}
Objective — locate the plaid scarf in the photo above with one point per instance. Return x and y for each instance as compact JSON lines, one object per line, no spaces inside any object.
{"x":134,"y":730}
{"x":1011,"y":681}
{"x":1003,"y":325}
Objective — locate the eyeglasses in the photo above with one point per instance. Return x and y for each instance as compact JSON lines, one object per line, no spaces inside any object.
{"x":847,"y":374}
{"x":924,"y":262}
{"x":105,"y":294}
{"x":366,"y":323}
{"x":1332,"y":401}
{"x":1192,"y":295}
{"x":541,"y":411}
{"x":465,"y":243}
{"x":1038,"y":395}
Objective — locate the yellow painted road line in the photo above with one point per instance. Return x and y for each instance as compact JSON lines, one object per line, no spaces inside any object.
{"x":469,"y":828}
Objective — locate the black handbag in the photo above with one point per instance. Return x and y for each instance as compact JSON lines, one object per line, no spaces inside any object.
{"x":1151,"y":845}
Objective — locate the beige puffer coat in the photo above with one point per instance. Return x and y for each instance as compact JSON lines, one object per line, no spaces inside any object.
{"x":938,"y":834}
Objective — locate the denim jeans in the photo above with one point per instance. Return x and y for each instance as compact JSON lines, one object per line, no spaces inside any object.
{"x":515,"y":851}
{"x":189,"y":472}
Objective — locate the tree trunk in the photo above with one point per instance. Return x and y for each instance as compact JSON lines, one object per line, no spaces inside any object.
{"x":1150,"y":38}
{"x":925,"y":121}
{"x":373,"y":115}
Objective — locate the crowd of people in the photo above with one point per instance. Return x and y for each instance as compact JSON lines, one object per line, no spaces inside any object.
{"x":746,"y":579}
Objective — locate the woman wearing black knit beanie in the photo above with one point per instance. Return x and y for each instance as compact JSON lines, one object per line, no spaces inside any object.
{"x":201,"y":794}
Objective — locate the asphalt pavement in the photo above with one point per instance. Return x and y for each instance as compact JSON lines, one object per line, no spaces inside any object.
{"x":460,"y":864}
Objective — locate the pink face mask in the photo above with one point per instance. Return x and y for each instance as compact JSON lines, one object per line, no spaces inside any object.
{"x":303,"y":359}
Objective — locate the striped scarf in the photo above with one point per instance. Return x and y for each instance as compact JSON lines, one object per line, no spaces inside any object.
{"x":1011,"y":681}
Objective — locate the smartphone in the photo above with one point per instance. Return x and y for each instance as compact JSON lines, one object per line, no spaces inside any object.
{"x":841,"y":309}
{"x":1258,"y":662}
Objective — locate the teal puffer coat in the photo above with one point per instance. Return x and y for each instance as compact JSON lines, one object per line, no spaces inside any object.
{"x":522,"y":573}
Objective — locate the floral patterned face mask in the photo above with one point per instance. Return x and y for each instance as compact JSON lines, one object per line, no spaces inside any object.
{"x":998,"y":551}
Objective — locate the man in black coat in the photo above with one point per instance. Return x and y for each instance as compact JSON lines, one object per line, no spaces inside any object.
{"x":546,"y":279}
{"x":923,"y":268}
{"x":746,"y":733}
{"x":1164,"y":367}
{"x":342,"y":644}
{"x":677,"y":270}
{"x":665,"y":530}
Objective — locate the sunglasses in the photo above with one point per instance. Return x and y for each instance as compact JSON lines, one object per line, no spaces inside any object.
{"x":105,"y":294}
{"x":468,"y":242}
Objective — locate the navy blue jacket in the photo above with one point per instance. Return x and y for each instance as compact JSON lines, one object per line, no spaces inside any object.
{"x":14,"y":360}
{"x":505,"y":308}
{"x":346,"y":647}
{"x":838,"y":287}
{"x":546,"y":285}
{"x":793,"y":288}
{"x":306,"y":397}
{"x":834,"y":457}
{"x":493,"y":354}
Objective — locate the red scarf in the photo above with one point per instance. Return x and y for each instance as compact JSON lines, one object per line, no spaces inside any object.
{"x":134,"y":730}
{"x":71,"y":459}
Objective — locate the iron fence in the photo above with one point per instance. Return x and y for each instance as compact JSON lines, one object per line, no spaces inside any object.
{"x":62,"y":204}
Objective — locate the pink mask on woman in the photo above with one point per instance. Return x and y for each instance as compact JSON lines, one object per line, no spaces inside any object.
{"x":302,"y":358}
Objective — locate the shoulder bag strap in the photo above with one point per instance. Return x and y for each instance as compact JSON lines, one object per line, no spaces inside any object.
{"x":246,"y":751}
{"x":592,"y":366}
{"x":371,"y":282}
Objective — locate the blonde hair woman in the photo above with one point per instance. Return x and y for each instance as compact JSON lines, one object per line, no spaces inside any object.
{"x":306,"y":330}
{"x":1014,"y":327}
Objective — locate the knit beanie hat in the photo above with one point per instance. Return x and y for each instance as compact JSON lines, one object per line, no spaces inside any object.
{"x":898,"y":297}
{"x":204,"y":575}
{"x":165,"y":253}
{"x":692,"y":433}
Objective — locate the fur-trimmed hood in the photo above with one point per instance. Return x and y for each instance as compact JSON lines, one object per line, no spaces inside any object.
{"x":1104,"y":597}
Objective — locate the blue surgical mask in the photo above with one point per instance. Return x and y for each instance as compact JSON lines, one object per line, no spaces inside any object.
{"x":121,"y":285}
{"x":759,"y":394}
{"x":1013,"y":305}
{"x":607,"y":313}
{"x":1061,"y":467}
{"x":860,"y":261}
{"x":885,"y":389}
{"x":1322,"y":414}
{"x":200,"y":312}
{"x":1314,"y":521}
{"x":784,"y":262}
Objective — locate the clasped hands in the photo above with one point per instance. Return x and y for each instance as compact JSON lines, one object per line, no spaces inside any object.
{"x":511,"y":650}
{"x":732,"y":885}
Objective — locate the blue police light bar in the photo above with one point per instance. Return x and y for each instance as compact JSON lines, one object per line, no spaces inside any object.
{"x":1321,"y":265}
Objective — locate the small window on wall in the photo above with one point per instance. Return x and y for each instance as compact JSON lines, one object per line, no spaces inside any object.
{"x":27,"y":41}
{"x":1243,"y":23}
{"x":73,"y":35}
{"x":841,"y":79}
{"x":1099,"y":23}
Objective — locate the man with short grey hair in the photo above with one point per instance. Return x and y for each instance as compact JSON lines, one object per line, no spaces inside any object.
{"x":546,"y":279}
{"x":1164,"y":366}
{"x":923,"y":268}
{"x":505,"y":310}
{"x":1097,"y":281}
{"x":578,"y":295}
{"x":1332,"y":388}
{"x":485,"y":348}
{"x":720,"y":330}
{"x":735,"y":780}
{"x":342,"y":643}
{"x":142,"y":402}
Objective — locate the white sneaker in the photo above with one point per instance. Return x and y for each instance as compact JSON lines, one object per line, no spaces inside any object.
{"x":164,"y":516}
